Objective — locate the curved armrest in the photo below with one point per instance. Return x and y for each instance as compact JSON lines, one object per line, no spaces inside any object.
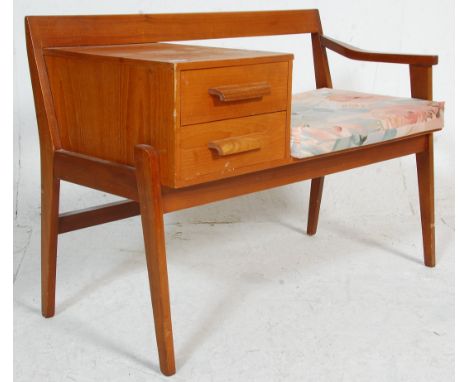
{"x":364,"y":55}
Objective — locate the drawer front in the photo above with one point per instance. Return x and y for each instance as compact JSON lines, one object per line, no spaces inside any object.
{"x":232,"y":92}
{"x":221,"y":149}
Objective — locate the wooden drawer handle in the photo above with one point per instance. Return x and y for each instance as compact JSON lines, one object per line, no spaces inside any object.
{"x":241,"y":92}
{"x":236,"y":145}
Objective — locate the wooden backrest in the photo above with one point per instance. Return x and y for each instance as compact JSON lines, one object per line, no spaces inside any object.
{"x":53,"y":31}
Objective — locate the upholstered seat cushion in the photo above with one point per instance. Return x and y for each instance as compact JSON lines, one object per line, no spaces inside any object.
{"x":328,"y":120}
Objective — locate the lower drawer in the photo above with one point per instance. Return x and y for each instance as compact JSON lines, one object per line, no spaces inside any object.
{"x":221,"y":149}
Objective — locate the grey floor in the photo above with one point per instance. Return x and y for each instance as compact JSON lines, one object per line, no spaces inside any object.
{"x":253,"y":297}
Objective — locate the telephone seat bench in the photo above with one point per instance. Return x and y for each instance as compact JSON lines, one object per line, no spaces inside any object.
{"x":170,"y":126}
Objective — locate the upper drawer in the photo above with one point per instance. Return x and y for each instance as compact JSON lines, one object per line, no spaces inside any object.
{"x":230,"y":92}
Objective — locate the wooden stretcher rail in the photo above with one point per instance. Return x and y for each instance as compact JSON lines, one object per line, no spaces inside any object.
{"x":120,"y":180}
{"x":106,"y":213}
{"x":177,"y":199}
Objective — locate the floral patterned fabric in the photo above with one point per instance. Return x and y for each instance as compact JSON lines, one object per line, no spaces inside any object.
{"x":327,"y":120}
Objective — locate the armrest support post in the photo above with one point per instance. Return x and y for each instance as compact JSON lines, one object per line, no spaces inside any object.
{"x":421,"y":81}
{"x":321,"y":68}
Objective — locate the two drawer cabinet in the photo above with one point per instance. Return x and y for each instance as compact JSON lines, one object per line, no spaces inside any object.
{"x":210,"y":112}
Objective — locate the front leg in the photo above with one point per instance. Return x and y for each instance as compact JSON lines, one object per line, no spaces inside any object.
{"x":50,"y":190}
{"x":149,"y":190}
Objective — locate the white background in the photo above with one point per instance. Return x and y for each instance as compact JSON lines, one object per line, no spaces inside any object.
{"x":364,"y":197}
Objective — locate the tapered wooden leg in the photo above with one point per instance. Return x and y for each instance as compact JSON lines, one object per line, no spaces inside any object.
{"x":316,"y":188}
{"x":149,"y":190}
{"x":425,"y":165}
{"x":50,"y":189}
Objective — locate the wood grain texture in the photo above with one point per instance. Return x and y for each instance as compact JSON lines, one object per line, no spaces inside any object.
{"x":421,"y":82}
{"x":88,"y":217}
{"x":138,"y":29}
{"x":96,"y":173}
{"x":105,"y":108}
{"x":200,"y":164}
{"x":123,"y":182}
{"x":180,"y":56}
{"x":315,"y":199}
{"x":287,"y":138}
{"x":425,"y":167}
{"x":321,"y":67}
{"x":237,"y":145}
{"x":421,"y":87}
{"x":297,"y":170}
{"x":50,"y":189}
{"x":49,"y":137}
{"x":322,"y":80}
{"x":198,"y":105}
{"x":241,"y":92}
{"x":149,"y":190}
{"x":49,"y":140}
{"x":365,"y":55}
{"x":44,"y":32}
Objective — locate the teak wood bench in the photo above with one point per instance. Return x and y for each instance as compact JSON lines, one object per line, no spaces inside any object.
{"x":117,"y":116}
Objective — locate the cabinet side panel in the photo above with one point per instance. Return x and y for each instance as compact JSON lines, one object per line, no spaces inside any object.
{"x":86,"y":95}
{"x":163,"y":108}
{"x":104,"y":108}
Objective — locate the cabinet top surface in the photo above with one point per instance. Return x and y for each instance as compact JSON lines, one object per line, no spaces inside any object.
{"x":174,"y":54}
